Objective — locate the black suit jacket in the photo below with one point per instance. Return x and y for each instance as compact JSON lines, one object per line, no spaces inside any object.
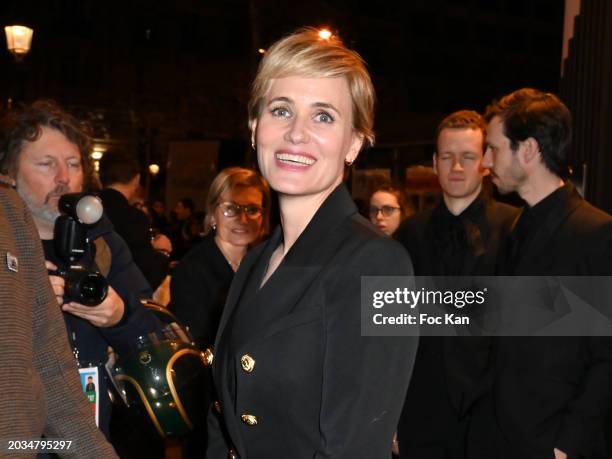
{"x":489,"y":223}
{"x":449,"y":372}
{"x":133,"y":226}
{"x":198,"y":290}
{"x":555,"y":392}
{"x":317,"y":387}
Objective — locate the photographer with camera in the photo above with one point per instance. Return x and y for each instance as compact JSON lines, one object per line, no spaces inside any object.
{"x":46,"y":151}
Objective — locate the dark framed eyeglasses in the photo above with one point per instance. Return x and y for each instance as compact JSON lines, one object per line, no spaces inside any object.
{"x":387,"y":211}
{"x":231,"y":210}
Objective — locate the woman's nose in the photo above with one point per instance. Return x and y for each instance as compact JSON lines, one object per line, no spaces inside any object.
{"x":297,"y":131}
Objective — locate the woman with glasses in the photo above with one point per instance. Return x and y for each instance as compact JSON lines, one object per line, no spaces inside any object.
{"x":294,"y":375}
{"x":389,"y":208}
{"x":238,"y":205}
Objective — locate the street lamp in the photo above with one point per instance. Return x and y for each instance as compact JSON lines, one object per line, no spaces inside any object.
{"x":18,"y":40}
{"x":96,"y":155}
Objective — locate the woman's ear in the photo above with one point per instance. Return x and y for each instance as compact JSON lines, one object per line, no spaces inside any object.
{"x":354,"y":149}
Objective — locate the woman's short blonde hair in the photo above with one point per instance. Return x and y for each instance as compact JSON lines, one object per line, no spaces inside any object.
{"x":304,"y":53}
{"x":230,"y":179}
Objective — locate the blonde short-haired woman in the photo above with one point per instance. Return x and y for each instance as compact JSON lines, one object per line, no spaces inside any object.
{"x":294,"y":376}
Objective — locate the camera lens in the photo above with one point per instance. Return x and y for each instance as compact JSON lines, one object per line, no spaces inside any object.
{"x":93,"y":288}
{"x":88,"y":288}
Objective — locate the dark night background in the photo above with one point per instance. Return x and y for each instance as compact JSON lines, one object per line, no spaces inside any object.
{"x":149,"y":72}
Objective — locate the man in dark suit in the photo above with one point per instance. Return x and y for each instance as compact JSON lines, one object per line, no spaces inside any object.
{"x":120,"y":177}
{"x":550,"y":395}
{"x":459,"y":237}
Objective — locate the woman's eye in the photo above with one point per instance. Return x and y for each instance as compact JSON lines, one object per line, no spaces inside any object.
{"x":324,"y":117}
{"x":74,"y":165}
{"x":280,"y":112}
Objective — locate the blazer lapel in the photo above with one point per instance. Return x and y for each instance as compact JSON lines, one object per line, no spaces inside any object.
{"x":281,"y":294}
{"x":221,"y":357}
{"x":240,"y":279}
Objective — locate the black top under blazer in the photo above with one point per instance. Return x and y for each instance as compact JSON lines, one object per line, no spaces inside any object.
{"x":294,"y":376}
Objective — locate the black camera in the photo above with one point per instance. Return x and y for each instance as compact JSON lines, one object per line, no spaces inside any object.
{"x":81,"y":283}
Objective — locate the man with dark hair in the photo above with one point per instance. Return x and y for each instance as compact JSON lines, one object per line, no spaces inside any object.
{"x":549,"y":396}
{"x":45,"y":150}
{"x":40,"y":393}
{"x":120,"y":178}
{"x":459,"y":237}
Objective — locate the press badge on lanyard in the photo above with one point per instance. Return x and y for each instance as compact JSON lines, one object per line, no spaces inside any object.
{"x":91,"y":388}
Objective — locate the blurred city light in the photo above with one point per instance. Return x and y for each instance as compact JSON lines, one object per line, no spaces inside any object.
{"x":325,"y":34}
{"x":154,"y":169}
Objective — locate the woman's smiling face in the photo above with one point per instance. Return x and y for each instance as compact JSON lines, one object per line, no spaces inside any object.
{"x":304,"y":134}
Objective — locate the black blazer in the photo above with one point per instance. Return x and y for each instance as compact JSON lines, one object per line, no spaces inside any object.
{"x":198,"y":290}
{"x":555,"y":392}
{"x":449,"y":372}
{"x":489,"y":223}
{"x":294,"y":375}
{"x":133,"y":226}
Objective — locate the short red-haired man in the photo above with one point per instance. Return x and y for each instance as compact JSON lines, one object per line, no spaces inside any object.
{"x":460,"y":237}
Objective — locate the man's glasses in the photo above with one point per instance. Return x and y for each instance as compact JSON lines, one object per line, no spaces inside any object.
{"x":387,"y":211}
{"x":231,"y":210}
